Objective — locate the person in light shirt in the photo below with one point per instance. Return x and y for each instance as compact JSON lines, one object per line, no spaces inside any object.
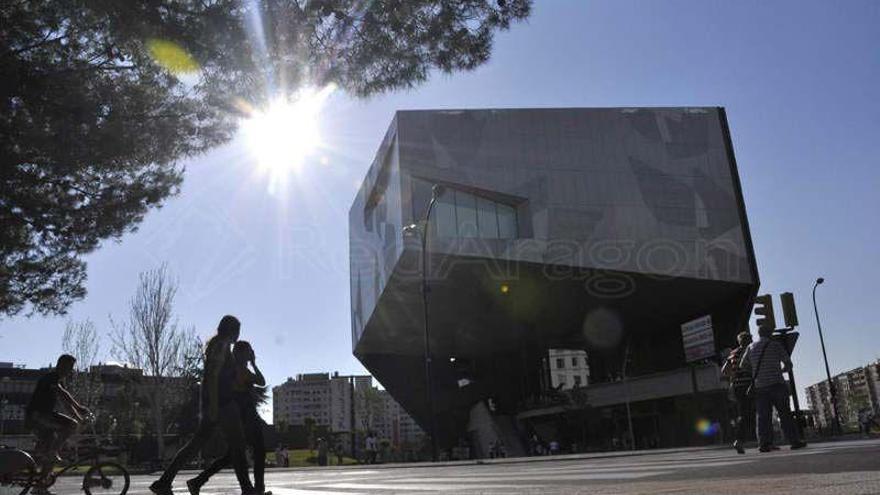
{"x":767,"y":358}
{"x":371,"y":448}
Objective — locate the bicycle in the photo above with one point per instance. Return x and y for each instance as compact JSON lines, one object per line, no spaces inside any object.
{"x":20,"y":472}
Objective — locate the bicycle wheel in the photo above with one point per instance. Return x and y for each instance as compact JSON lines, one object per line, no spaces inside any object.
{"x":18,"y":483}
{"x":106,"y":478}
{"x":11,"y":489}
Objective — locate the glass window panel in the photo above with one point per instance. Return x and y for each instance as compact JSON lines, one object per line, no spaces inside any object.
{"x":421,"y":196}
{"x":487,"y":219}
{"x":369,"y":219}
{"x":444,"y":216}
{"x":466,"y":212}
{"x":506,"y":222}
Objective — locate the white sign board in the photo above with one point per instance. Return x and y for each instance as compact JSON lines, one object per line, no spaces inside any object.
{"x":698,"y":339}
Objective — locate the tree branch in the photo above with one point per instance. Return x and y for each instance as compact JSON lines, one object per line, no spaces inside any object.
{"x":44,"y":41}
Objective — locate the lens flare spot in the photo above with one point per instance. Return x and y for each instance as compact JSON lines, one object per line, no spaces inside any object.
{"x":603,"y":328}
{"x":172,"y":57}
{"x":505,"y":288}
{"x":707,"y":428}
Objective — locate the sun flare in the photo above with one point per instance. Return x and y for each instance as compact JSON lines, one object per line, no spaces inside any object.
{"x":282,"y":135}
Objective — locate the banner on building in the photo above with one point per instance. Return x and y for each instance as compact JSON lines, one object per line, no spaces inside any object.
{"x":698,"y":339}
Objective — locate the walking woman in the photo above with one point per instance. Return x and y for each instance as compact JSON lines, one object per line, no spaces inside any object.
{"x":740,"y":379}
{"x":249,"y":391}
{"x":220,"y":410}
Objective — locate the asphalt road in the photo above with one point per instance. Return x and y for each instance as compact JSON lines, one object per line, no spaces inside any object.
{"x":850,"y":468}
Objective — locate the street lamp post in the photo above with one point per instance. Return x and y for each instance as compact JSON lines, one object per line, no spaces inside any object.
{"x":832,"y":389}
{"x":436,"y":191}
{"x":629,"y":419}
{"x":351,"y":417}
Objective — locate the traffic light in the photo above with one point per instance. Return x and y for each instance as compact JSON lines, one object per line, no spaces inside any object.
{"x":764,"y":308}
{"x":788,"y":310}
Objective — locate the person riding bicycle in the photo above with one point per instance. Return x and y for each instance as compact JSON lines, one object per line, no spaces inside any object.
{"x":52,"y":427}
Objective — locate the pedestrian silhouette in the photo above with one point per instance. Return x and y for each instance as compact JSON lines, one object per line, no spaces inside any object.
{"x":249,"y":391}
{"x":764,"y":358}
{"x":740,"y":378}
{"x":219,"y":409}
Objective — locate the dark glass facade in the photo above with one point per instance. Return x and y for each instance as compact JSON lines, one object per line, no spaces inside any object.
{"x":596,"y":229}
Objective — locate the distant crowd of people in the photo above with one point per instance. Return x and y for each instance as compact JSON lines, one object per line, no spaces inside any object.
{"x":539,"y":447}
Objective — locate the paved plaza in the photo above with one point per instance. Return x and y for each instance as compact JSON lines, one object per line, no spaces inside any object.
{"x":851,"y":467}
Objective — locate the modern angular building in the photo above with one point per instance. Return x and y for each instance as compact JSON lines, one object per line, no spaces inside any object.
{"x":602,"y":230}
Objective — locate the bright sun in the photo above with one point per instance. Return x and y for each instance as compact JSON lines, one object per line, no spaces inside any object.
{"x":283,"y":134}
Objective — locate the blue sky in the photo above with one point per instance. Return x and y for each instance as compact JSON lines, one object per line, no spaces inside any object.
{"x":801,"y":84}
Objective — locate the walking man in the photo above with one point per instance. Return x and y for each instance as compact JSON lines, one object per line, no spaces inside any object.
{"x":740,"y":378}
{"x":322,"y":452}
{"x":370,"y":447}
{"x":285,"y":456}
{"x":866,"y":421}
{"x":766,"y":358}
{"x":220,"y":409}
{"x":338,"y":450}
{"x":249,"y":391}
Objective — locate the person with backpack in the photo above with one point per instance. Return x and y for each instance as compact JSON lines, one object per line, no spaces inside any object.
{"x":767,"y":358}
